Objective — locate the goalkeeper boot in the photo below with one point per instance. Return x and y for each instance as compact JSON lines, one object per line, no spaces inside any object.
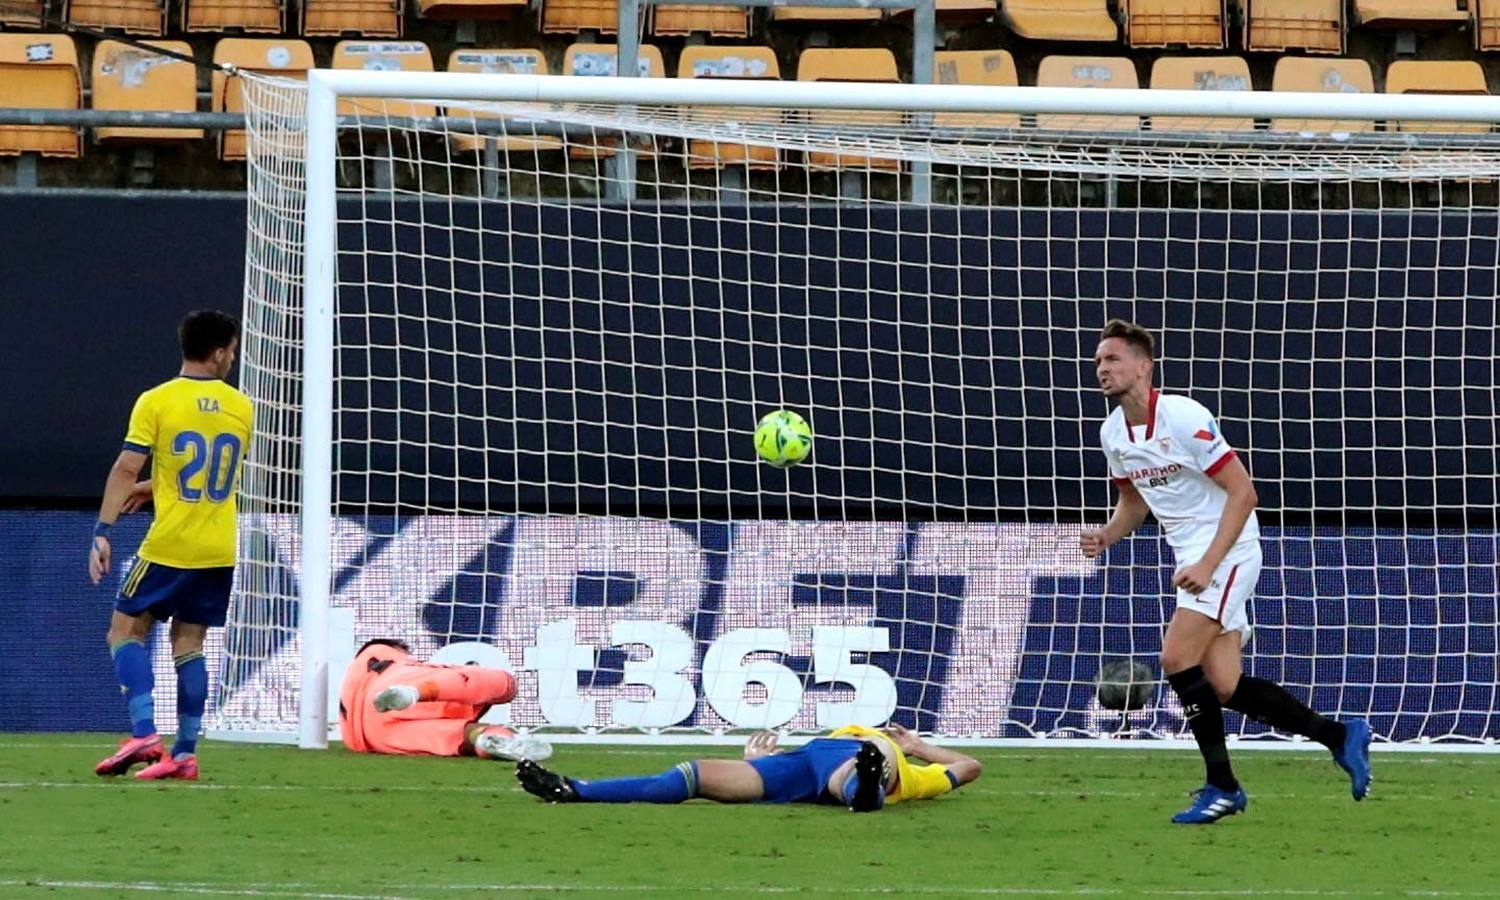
{"x":1354,"y":757}
{"x":547,"y":785}
{"x":1210,"y":804}
{"x":869,"y":768}
{"x":396,"y":697}
{"x":132,"y":750}
{"x":498,"y":742}
{"x":183,"y":768}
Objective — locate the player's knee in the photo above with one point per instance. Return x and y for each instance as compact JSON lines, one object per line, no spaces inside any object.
{"x":1174,"y":660}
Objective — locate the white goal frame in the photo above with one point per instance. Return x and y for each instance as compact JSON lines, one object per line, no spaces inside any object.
{"x":326,"y":87}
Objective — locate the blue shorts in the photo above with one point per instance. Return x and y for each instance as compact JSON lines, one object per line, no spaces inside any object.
{"x":195,"y":596}
{"x":801,"y":776}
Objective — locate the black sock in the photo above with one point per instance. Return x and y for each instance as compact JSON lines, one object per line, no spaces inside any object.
{"x":1269,"y":702}
{"x":1200,"y":706}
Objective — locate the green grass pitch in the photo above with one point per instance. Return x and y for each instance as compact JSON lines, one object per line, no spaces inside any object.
{"x":278,"y":822}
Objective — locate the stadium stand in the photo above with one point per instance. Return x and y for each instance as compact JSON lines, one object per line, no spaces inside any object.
{"x":1174,"y":23}
{"x":874,"y":65}
{"x":574,"y":16}
{"x":365,"y":18}
{"x":22,"y":13}
{"x":250,"y":16}
{"x":1316,"y":26}
{"x":39,"y":71}
{"x":1408,"y":76}
{"x":1486,"y":24}
{"x":1410,"y":14}
{"x":716,"y":21}
{"x":599,"y":60}
{"x":1328,"y":76}
{"x":1060,"y":20}
{"x":1091,"y":72}
{"x":385,"y":56}
{"x":286,"y":58}
{"x":703,"y":61}
{"x":127,"y":77}
{"x":816,"y":14}
{"x":148,"y":17}
{"x":469,"y":9}
{"x":519,"y":61}
{"x":988,"y":67}
{"x":1201,"y":73}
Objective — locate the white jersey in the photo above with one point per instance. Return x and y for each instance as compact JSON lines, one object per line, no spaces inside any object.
{"x":1171,"y":460}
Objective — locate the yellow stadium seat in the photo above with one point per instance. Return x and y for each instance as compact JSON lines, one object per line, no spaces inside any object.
{"x":795,"y":14}
{"x":39,"y":71}
{"x":1411,"y":14}
{"x":573,"y":16}
{"x":746,"y":63}
{"x":1327,"y":76}
{"x":498,"y":62}
{"x":719,"y":21}
{"x":1061,"y":20}
{"x":1104,"y":72}
{"x":367,"y":18}
{"x":1173,"y":23}
{"x":23,"y":13}
{"x":255,"y":16}
{"x":469,"y":9}
{"x":1408,"y":76}
{"x":1316,"y":26}
{"x":1486,"y":24}
{"x":988,"y":67}
{"x":383,"y":56}
{"x":1201,"y":73}
{"x":598,"y":60}
{"x":126,"y":77}
{"x":130,"y":16}
{"x":269,"y":56}
{"x":872,"y":65}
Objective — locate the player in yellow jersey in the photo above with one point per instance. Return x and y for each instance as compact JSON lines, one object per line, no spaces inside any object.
{"x":195,"y":429}
{"x":858,"y":767}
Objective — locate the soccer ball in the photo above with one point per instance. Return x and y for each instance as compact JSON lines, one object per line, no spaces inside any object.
{"x":1125,"y":685}
{"x":783,"y":438}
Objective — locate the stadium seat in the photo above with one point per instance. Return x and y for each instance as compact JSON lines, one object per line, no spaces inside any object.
{"x":1105,"y":72}
{"x":283,"y":58}
{"x":704,"y":61}
{"x":384,"y":56}
{"x":130,"y":16}
{"x":254,"y":16}
{"x":1411,"y":14}
{"x":1201,"y":73}
{"x":1060,"y":20}
{"x":952,"y":12}
{"x":873,"y":65}
{"x":989,"y":67}
{"x":1316,"y":26}
{"x":498,"y":62}
{"x":126,"y":77}
{"x":39,"y":71}
{"x":366,"y":18}
{"x":469,"y":9}
{"x":573,"y":16}
{"x":1174,"y":23}
{"x":814,"y":14}
{"x":719,"y":21}
{"x":22,"y":13}
{"x":1328,"y":76}
{"x":1408,"y":76}
{"x":591,"y":60}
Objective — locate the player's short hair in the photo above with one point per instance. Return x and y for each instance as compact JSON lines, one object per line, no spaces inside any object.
{"x":203,"y":331}
{"x":1130,"y":333}
{"x":384,"y":642}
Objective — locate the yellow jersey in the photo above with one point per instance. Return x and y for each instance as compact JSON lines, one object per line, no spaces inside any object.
{"x":197,"y":431}
{"x":912,"y":782}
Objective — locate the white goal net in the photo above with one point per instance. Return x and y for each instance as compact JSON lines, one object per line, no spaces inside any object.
{"x":555,"y":325}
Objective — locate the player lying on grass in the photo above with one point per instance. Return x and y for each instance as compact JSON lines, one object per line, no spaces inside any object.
{"x":390,"y":703}
{"x":857,"y":767}
{"x":1168,"y":458}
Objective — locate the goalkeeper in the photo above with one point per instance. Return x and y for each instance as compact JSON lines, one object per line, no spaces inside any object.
{"x":855,"y":766}
{"x":389,"y":703}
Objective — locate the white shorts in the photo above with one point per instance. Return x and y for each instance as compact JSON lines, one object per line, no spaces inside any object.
{"x":1226,"y":600}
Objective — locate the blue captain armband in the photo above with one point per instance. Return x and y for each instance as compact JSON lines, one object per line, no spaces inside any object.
{"x":101,"y":528}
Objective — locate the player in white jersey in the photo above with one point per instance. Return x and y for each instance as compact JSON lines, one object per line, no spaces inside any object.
{"x":1168,"y":458}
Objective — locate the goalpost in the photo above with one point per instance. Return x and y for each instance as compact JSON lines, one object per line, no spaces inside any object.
{"x":508,"y":422}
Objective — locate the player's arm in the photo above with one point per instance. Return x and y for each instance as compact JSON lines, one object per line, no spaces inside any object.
{"x":1238,"y":505}
{"x":118,"y":488}
{"x":1130,"y":512}
{"x":962,"y":768}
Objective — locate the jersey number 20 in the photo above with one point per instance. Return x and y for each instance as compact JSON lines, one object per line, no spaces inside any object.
{"x":222,"y":456}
